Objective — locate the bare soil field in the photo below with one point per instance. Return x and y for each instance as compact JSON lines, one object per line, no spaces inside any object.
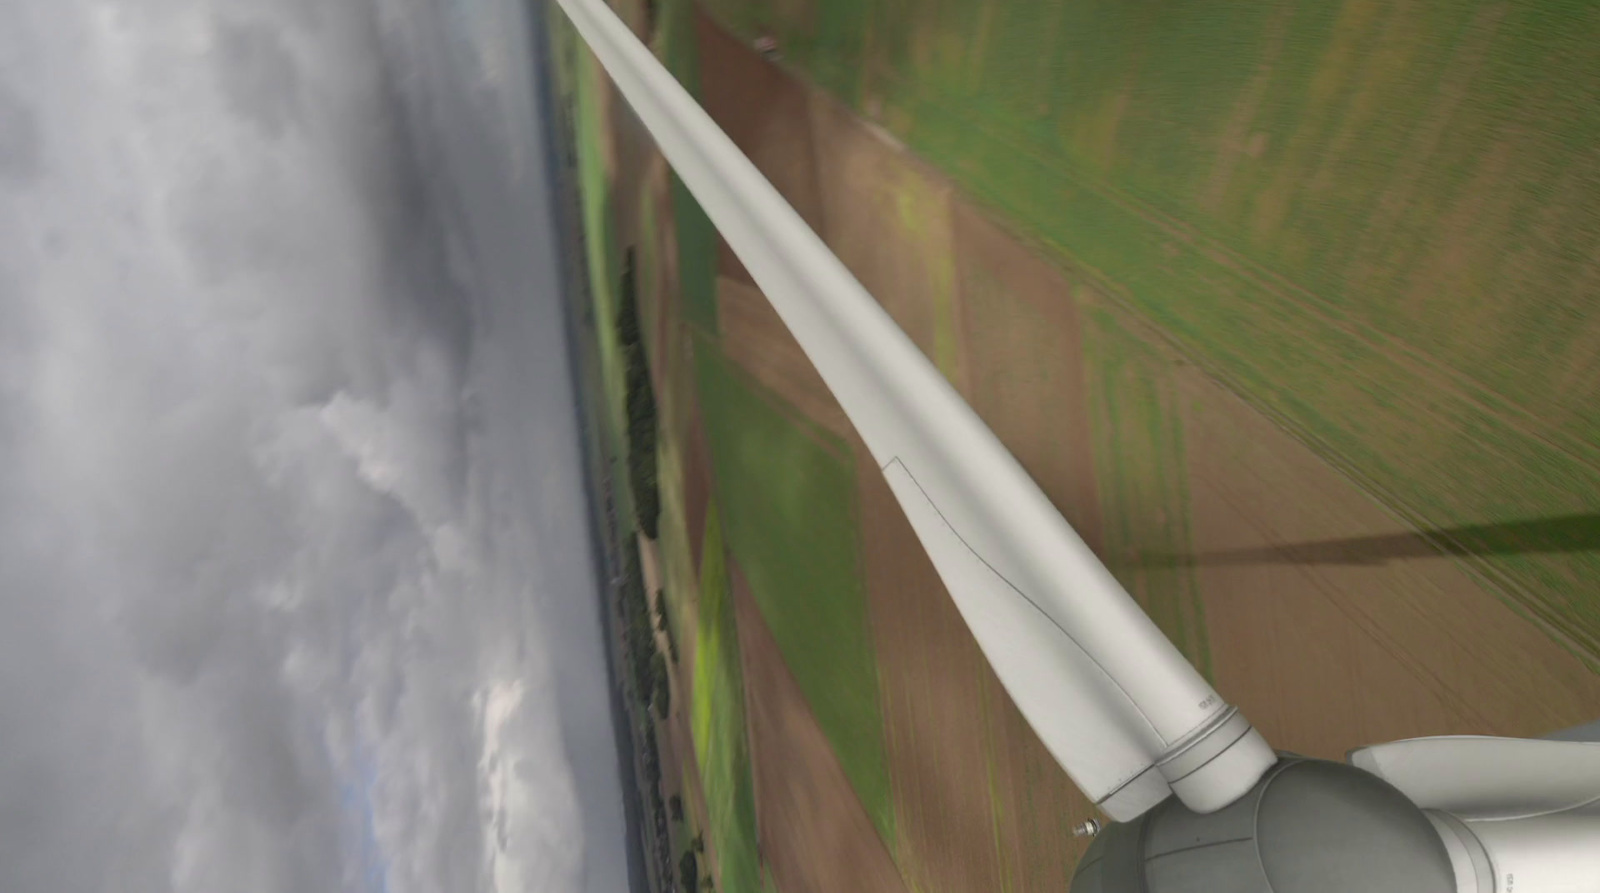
{"x":1016,"y":305}
{"x":981,"y":804}
{"x":658,"y":273}
{"x":1035,"y":804}
{"x":754,"y":336}
{"x":1370,"y":640}
{"x":934,"y":686}
{"x":697,"y":485}
{"x":767,"y":115}
{"x":888,"y":219}
{"x":815,"y":836}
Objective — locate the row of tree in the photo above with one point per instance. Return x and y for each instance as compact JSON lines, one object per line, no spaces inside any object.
{"x":647,"y":668}
{"x":640,"y":400}
{"x":661,"y":846}
{"x":689,"y":869}
{"x":665,"y":626}
{"x":649,"y":686}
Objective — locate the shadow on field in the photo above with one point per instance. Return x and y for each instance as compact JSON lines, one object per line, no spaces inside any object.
{"x":1568,"y":533}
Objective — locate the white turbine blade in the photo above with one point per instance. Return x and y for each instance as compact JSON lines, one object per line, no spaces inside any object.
{"x":1527,"y":807}
{"x":1113,"y":767}
{"x":1116,"y":704}
{"x":1480,"y":778}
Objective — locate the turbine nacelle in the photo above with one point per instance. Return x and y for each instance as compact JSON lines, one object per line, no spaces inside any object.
{"x":1308,"y":826}
{"x":1427,"y":815}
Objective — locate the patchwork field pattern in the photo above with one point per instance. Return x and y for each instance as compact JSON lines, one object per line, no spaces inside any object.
{"x":815,"y":835}
{"x":787,"y":491}
{"x":1373,"y":219}
{"x":1261,"y":296}
{"x":718,"y":722}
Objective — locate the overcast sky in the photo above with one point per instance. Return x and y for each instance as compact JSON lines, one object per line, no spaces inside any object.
{"x":295,"y":592}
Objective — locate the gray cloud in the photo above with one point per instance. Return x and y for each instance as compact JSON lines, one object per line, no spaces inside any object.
{"x":276,"y":611}
{"x":258,"y":75}
{"x":19,"y":138}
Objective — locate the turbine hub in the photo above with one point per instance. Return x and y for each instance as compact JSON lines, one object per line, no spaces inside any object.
{"x":1308,"y":826}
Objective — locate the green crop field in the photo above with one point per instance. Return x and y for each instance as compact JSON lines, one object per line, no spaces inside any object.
{"x":787,"y":491}
{"x":1378,"y":221}
{"x":697,"y":238}
{"x":1140,"y":471}
{"x":674,"y":396}
{"x":717,"y":721}
{"x":580,"y":83}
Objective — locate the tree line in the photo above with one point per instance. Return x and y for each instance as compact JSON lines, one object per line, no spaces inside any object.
{"x":647,"y":667}
{"x":640,"y":400}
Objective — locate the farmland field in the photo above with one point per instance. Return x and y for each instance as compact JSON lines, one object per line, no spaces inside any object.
{"x":1371,"y":219}
{"x":696,"y":238}
{"x":788,"y":498}
{"x":816,"y":837}
{"x":717,"y":720}
{"x":1289,"y":308}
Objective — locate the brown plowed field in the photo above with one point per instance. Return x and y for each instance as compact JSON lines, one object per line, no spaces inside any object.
{"x":1016,"y":305}
{"x":1326,"y":652}
{"x":981,"y":804}
{"x":888,"y":219}
{"x":754,"y":336}
{"x":767,"y":115}
{"x":815,"y":836}
{"x":697,"y":486}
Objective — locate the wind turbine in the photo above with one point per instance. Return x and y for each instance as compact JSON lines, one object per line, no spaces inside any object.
{"x":1197,"y":799}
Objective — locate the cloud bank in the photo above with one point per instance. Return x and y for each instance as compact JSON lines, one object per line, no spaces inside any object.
{"x":294,"y":589}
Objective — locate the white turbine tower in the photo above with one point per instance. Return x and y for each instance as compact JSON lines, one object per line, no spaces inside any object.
{"x":1199,"y":801}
